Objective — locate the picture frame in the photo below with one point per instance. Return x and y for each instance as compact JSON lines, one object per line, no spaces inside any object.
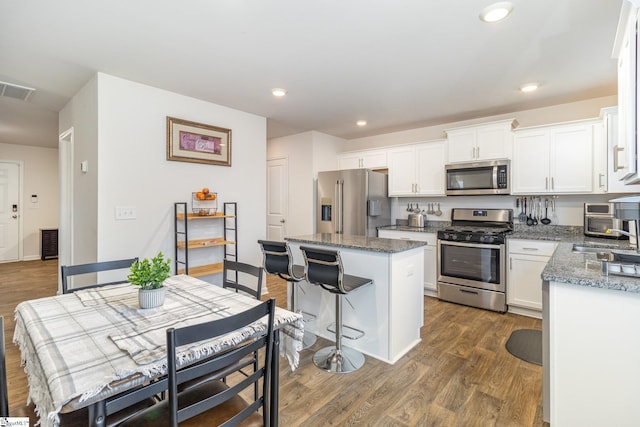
{"x":198,"y":143}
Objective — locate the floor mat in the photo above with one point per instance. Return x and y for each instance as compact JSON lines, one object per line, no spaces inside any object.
{"x":526,"y":344}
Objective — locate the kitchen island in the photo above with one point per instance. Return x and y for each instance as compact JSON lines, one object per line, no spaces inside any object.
{"x":390,"y":311}
{"x":591,"y":341}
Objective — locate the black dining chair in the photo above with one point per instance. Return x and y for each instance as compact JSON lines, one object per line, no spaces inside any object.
{"x":242,"y":277}
{"x":68,"y":271}
{"x":215,"y":403}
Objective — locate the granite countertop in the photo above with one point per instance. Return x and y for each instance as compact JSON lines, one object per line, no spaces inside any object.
{"x":585,"y":269}
{"x":373,"y":244}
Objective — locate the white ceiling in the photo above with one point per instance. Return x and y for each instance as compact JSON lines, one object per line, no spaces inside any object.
{"x":397,"y":64}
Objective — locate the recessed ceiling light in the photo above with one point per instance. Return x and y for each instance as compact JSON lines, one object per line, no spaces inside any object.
{"x":278,"y":92}
{"x":496,"y":12}
{"x":529,"y":87}
{"x":361,"y":122}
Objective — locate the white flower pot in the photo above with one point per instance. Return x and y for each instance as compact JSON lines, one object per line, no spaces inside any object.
{"x":151,"y":298}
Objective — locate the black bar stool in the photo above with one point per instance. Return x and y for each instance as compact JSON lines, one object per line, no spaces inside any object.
{"x":324,"y":268}
{"x":277,"y":260}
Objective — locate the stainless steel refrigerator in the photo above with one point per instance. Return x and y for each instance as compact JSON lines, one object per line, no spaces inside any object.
{"x":352,"y":201}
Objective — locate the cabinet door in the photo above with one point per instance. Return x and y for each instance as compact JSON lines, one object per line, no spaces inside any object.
{"x":430,"y":177}
{"x":430,"y":269}
{"x":493,"y":142}
{"x":625,"y":149}
{"x":524,"y":284}
{"x":571,"y":159}
{"x":402,"y":172}
{"x":462,"y":145}
{"x":530,"y":171}
{"x":350,"y":161}
{"x":374,"y":159}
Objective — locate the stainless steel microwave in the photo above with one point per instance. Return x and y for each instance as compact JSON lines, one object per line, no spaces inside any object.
{"x":477,"y":178}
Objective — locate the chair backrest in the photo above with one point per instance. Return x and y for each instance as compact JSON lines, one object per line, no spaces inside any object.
{"x":242,"y":277}
{"x":222,"y":361}
{"x":4,"y":395}
{"x":277,"y":259}
{"x":323,"y":267}
{"x":75,"y":270}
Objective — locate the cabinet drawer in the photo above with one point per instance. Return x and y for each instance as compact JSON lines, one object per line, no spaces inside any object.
{"x":532,"y":247}
{"x":419,"y":236}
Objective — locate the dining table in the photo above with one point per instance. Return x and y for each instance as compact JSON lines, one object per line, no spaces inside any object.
{"x":82,"y":348}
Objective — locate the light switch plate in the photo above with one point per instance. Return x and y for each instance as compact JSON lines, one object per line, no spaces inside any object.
{"x":125,"y":212}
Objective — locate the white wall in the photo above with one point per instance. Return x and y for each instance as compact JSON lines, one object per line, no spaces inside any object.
{"x":306,"y":154}
{"x":81,"y":113}
{"x":131,"y":169}
{"x":40,"y":175}
{"x":555,"y":114}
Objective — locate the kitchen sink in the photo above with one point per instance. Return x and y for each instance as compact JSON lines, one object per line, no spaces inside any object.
{"x":601,"y":253}
{"x":578,"y":247}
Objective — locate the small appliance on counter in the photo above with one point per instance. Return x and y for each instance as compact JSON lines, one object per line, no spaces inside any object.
{"x":600,"y":217}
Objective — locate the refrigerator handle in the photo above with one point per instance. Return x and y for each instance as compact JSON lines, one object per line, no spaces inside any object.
{"x":338,"y":214}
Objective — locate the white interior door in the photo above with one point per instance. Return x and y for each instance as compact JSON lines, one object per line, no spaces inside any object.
{"x":65,"y":225}
{"x":277,"y":198}
{"x":9,"y":212}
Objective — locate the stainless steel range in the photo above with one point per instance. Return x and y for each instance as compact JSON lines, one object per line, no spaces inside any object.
{"x":472,"y":258}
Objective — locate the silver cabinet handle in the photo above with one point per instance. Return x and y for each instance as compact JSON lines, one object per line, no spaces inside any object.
{"x":616,"y":162}
{"x":477,"y":152}
{"x":510,"y":263}
{"x":600,"y":176}
{"x":546,"y":183}
{"x":530,"y":249}
{"x":553,"y":186}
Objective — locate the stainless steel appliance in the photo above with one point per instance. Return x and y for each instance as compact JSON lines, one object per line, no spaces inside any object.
{"x":352,"y":201}
{"x":600,"y":217}
{"x":477,"y":178}
{"x":472,"y":257}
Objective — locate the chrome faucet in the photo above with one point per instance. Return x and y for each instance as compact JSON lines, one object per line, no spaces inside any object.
{"x":631,"y":236}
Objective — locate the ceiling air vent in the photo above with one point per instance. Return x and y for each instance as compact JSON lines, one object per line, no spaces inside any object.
{"x":15,"y":91}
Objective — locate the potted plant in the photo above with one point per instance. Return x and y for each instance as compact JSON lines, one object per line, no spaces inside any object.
{"x":149,"y":275}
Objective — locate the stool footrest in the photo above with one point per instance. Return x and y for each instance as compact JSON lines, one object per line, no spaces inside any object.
{"x":358,"y":333}
{"x":308,"y":317}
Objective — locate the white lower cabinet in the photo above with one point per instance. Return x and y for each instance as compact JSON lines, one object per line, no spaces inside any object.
{"x":430,"y":266}
{"x":527,"y":259}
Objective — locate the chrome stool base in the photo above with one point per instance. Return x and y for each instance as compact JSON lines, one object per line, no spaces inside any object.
{"x":345,"y":360}
{"x":308,"y":340}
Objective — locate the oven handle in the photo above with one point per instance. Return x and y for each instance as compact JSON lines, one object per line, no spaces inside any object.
{"x":470,"y":245}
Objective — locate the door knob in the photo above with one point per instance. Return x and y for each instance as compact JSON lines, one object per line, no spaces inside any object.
{"x":282,"y":221}
{"x":14,"y":216}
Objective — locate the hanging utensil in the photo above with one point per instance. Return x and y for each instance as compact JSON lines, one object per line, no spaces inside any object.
{"x":409,"y":207}
{"x":438,"y":212}
{"x":546,"y":220}
{"x":523,"y":209}
{"x":554,"y":213}
{"x":536,"y":213}
{"x":530,"y":204}
{"x":417,"y":209}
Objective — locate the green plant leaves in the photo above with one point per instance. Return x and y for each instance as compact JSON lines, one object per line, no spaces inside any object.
{"x":149,"y":274}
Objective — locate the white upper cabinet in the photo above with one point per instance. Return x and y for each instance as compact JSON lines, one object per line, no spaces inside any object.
{"x":605,"y":161}
{"x":417,"y":170}
{"x":488,"y":141}
{"x":625,"y":49}
{"x":555,"y":159}
{"x":367,"y":159}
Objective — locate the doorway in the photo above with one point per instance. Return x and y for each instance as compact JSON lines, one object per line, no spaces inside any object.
{"x":10,"y":211}
{"x":65,"y":233}
{"x":277,"y":198}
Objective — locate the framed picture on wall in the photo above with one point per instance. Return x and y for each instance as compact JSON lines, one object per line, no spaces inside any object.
{"x":198,"y":143}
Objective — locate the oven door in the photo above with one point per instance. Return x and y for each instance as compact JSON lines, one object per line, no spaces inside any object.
{"x":472,"y":264}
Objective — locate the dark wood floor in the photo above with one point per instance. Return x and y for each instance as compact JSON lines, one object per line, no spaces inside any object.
{"x":459,"y":375}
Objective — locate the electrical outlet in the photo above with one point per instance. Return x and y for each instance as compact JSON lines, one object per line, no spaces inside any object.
{"x":125,"y":212}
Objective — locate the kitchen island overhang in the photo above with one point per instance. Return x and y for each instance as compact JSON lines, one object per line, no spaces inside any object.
{"x":390,"y":311}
